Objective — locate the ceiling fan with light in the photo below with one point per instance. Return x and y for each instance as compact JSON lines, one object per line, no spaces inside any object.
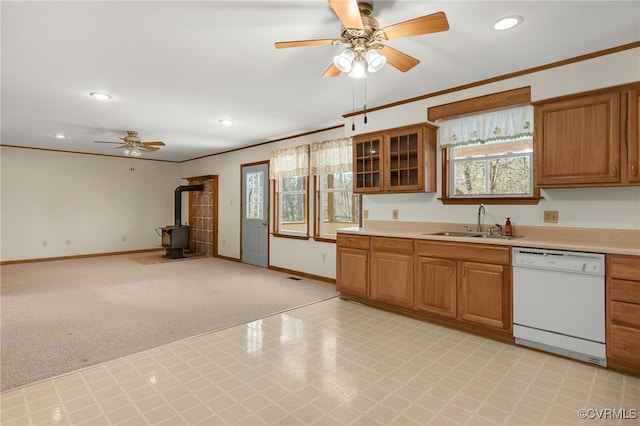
{"x":132,"y":144}
{"x":366,"y":50}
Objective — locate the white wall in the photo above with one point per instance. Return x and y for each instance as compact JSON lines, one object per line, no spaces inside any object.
{"x":81,"y":204}
{"x":94,"y":201}
{"x":617,"y":208}
{"x":298,"y":255}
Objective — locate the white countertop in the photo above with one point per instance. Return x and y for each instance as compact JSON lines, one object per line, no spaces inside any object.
{"x":612,"y":241}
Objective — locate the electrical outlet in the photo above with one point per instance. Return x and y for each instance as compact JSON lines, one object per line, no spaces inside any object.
{"x":395,"y":215}
{"x":324,"y":257}
{"x":44,"y":243}
{"x":124,"y":238}
{"x":365,"y":214}
{"x":68,"y":242}
{"x":551,"y":216}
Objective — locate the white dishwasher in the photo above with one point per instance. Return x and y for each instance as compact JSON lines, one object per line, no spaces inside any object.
{"x":559,"y":302}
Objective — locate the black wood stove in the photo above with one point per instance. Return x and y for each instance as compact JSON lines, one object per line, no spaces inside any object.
{"x":176,"y":238}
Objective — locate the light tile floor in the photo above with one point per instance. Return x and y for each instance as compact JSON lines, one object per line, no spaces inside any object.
{"x":330,"y":363}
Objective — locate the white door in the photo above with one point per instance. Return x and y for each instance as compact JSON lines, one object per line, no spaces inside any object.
{"x":255,"y":217}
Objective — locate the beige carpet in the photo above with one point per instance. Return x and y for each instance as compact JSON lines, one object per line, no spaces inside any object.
{"x":161,"y":258}
{"x":63,"y":315}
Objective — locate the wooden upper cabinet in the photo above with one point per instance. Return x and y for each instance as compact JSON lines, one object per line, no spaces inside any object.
{"x":577,"y":141}
{"x":367,"y":163}
{"x":395,"y":160}
{"x":589,"y":139}
{"x":633,"y":134}
{"x":404,"y":161}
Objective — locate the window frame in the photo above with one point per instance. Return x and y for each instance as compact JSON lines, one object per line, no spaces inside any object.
{"x":318,"y":206}
{"x":446,"y":185}
{"x":487,"y":159}
{"x":277,"y":226}
{"x":508,"y":98}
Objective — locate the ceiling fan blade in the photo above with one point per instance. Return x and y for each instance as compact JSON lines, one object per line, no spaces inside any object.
{"x":332,"y":71}
{"x":301,"y":43}
{"x":148,"y":147}
{"x":348,"y":13}
{"x":399,"y":60}
{"x":433,"y":23}
{"x":158,"y":143}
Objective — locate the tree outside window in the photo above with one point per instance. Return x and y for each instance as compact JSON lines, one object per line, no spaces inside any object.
{"x":292,"y":205}
{"x":338,"y":206}
{"x":493,"y":170}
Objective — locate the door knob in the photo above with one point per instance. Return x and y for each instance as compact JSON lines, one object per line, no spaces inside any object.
{"x":264,"y":223}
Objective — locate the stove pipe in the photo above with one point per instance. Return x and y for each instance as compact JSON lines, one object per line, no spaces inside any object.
{"x":178,"y":200}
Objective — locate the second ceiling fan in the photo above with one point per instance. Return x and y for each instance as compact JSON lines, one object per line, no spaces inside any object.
{"x":365,"y":41}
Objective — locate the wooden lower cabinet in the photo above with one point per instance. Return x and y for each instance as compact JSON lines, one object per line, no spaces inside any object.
{"x":484,"y":294}
{"x":470,"y":283}
{"x":352,"y":259}
{"x":461,"y":285}
{"x":435,"y":288}
{"x":623,"y":313}
{"x":392,"y":271}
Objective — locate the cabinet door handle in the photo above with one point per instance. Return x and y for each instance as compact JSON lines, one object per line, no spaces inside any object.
{"x":634,"y":170}
{"x":614,"y":169}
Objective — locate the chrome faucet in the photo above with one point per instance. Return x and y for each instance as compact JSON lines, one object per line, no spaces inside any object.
{"x":480,"y":211}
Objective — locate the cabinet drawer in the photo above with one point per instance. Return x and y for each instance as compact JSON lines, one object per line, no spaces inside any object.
{"x":625,"y":291}
{"x":625,"y":267}
{"x":353,"y":241}
{"x":397,"y":245}
{"x":487,"y":253}
{"x":624,"y":343}
{"x":625,"y":313}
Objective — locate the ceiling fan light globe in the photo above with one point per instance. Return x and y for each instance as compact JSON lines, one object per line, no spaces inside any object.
{"x":135,"y":152}
{"x":375,"y":61}
{"x":344,"y":60}
{"x":359,"y":70}
{"x":126,"y":151}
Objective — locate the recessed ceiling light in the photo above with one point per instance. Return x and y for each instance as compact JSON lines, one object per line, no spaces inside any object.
{"x":508,"y":22}
{"x":100,"y":96}
{"x":59,"y":136}
{"x":225,"y":122}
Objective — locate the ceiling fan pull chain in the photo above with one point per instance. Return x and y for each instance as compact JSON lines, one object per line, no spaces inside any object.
{"x":364,"y":107}
{"x":353,"y":105}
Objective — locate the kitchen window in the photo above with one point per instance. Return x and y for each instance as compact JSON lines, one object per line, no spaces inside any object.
{"x":291,"y":205}
{"x":488,"y":157}
{"x":289,"y":169}
{"x":337,"y":205}
{"x":492,"y":170}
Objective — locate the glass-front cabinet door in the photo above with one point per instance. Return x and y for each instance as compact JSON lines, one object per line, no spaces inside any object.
{"x":367,"y":164}
{"x":405,"y":161}
{"x":395,"y":160}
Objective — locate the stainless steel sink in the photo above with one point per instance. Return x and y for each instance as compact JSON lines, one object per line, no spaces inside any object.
{"x":500,"y":237}
{"x":474,"y":235}
{"x":455,"y":234}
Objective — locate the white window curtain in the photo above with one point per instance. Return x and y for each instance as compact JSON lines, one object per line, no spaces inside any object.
{"x":334,"y":156}
{"x":490,"y":127}
{"x":289,"y":162}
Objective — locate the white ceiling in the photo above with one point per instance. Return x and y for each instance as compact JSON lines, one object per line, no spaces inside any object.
{"x":175,"y":68}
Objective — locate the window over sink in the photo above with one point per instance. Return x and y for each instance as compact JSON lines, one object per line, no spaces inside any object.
{"x":487,"y":156}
